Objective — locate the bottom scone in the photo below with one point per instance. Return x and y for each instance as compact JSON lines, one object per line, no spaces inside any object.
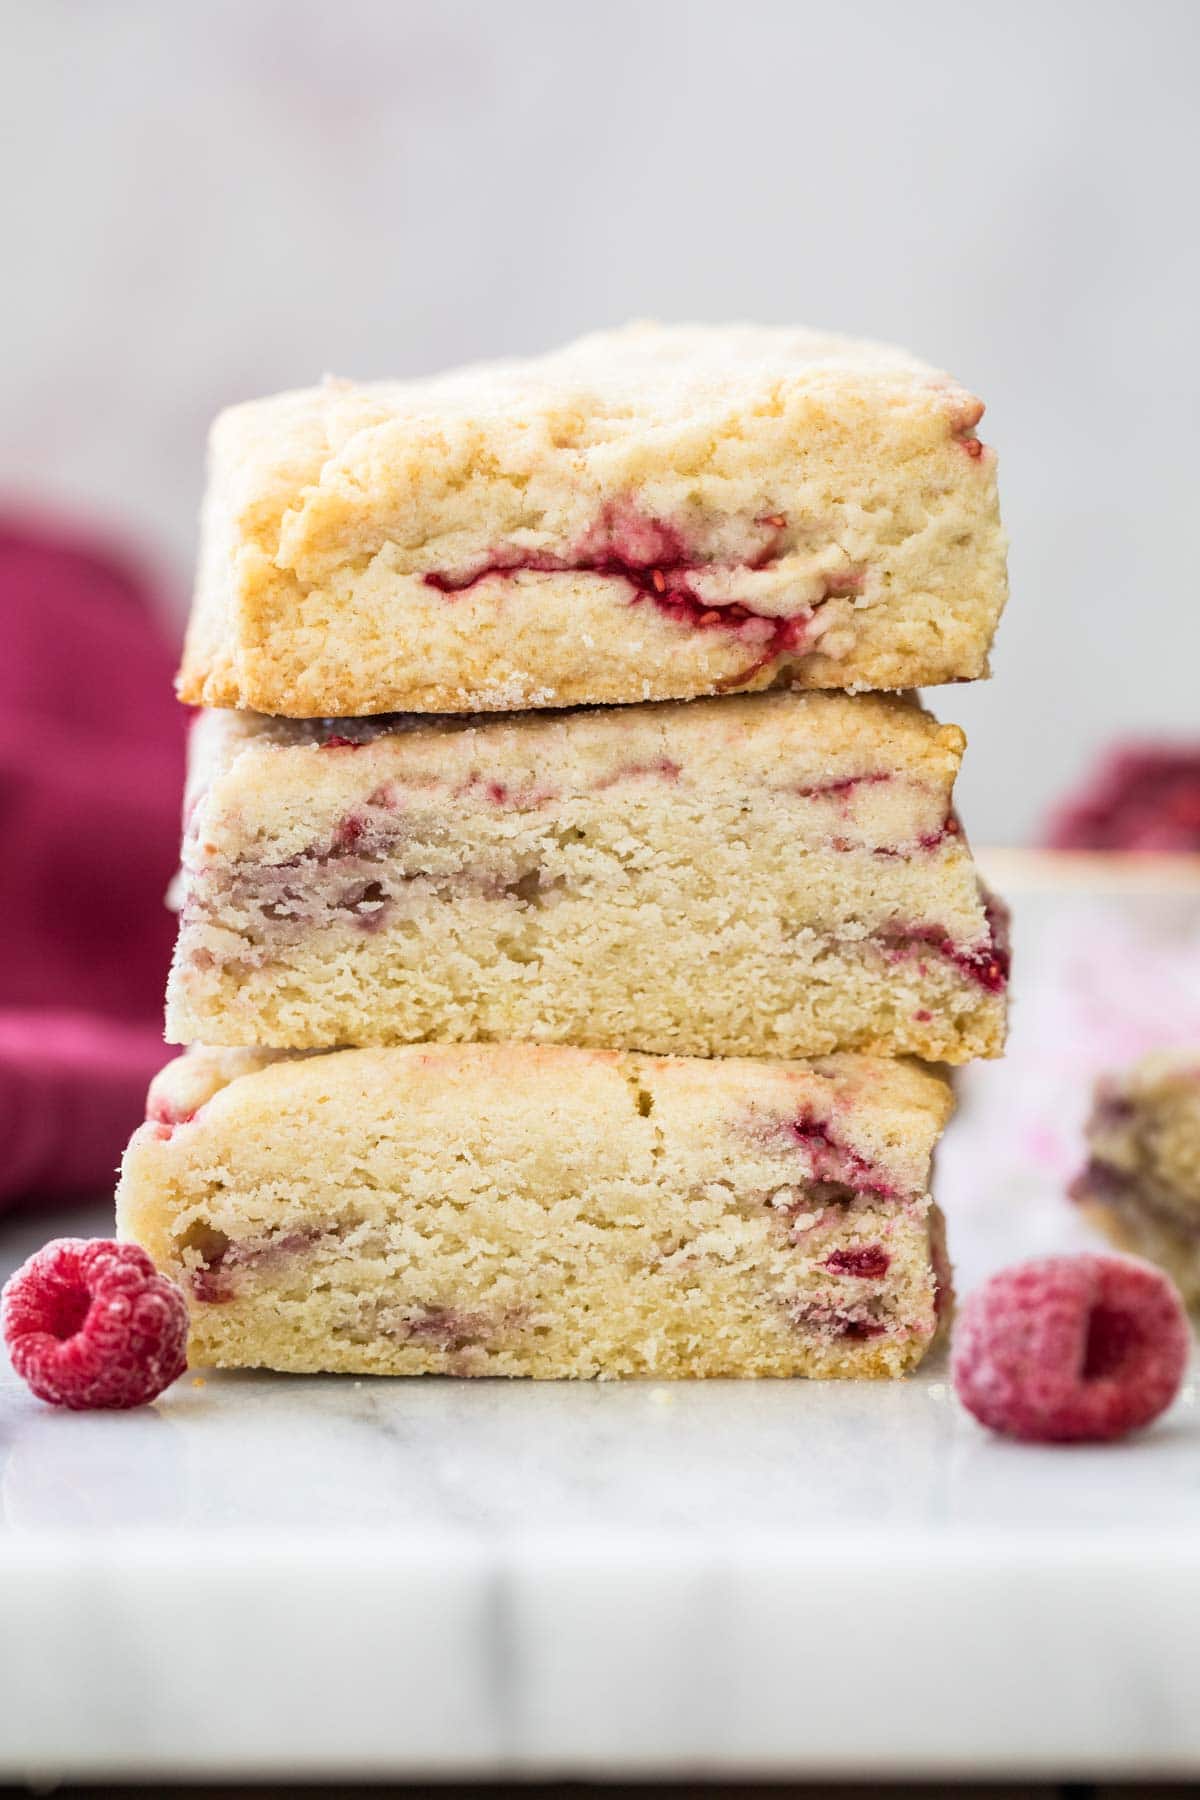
{"x":538,"y":1210}
{"x":1141,"y":1184}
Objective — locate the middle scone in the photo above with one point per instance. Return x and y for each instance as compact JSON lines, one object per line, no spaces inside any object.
{"x":778,"y":875}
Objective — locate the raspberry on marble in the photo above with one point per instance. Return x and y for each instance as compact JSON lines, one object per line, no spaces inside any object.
{"x":1071,"y":1349}
{"x":91,"y":1323}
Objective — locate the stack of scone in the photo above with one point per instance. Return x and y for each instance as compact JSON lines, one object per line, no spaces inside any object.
{"x":492,"y":792}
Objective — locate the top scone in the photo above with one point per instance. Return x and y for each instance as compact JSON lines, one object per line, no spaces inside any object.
{"x":654,"y":513}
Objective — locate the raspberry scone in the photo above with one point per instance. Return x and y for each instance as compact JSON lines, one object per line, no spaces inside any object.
{"x":771,"y":875}
{"x":546,"y":1211}
{"x":1141,"y":1183}
{"x":653,"y":513}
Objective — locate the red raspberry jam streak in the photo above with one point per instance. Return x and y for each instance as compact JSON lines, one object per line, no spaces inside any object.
{"x":928,"y":840}
{"x":167,"y":1118}
{"x":525,"y":796}
{"x":861,"y":1328}
{"x":215,"y":1280}
{"x":826,"y":1320}
{"x":870,"y":1263}
{"x":656,"y":561}
{"x":662,"y":768}
{"x":446,"y":1328}
{"x":833,"y":1161}
{"x":348,"y":832}
{"x":843,"y":786}
{"x":988,"y":964}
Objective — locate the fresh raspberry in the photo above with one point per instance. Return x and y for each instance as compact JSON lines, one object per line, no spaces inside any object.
{"x":1071,"y":1348}
{"x":92,"y":1323}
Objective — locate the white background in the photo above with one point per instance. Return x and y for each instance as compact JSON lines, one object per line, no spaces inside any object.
{"x":207,"y":201}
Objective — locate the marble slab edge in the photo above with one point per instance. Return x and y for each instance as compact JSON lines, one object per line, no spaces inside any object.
{"x":753,"y":1653}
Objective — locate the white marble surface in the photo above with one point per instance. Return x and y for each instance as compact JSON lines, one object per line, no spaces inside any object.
{"x":291,"y":1575}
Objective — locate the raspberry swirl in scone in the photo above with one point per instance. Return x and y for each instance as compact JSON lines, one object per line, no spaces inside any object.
{"x":775,"y":875}
{"x":1141,"y":1183}
{"x":654,"y":513}
{"x":546,"y":1211}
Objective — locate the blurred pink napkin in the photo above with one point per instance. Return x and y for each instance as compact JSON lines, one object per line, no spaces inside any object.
{"x":91,"y":771}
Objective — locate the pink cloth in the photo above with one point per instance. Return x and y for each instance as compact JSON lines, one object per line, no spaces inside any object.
{"x":91,"y":770}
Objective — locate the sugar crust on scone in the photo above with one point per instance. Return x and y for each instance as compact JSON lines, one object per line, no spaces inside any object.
{"x":652,"y":513}
{"x":545,"y":1211}
{"x":1141,"y":1182}
{"x":774,"y":875}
